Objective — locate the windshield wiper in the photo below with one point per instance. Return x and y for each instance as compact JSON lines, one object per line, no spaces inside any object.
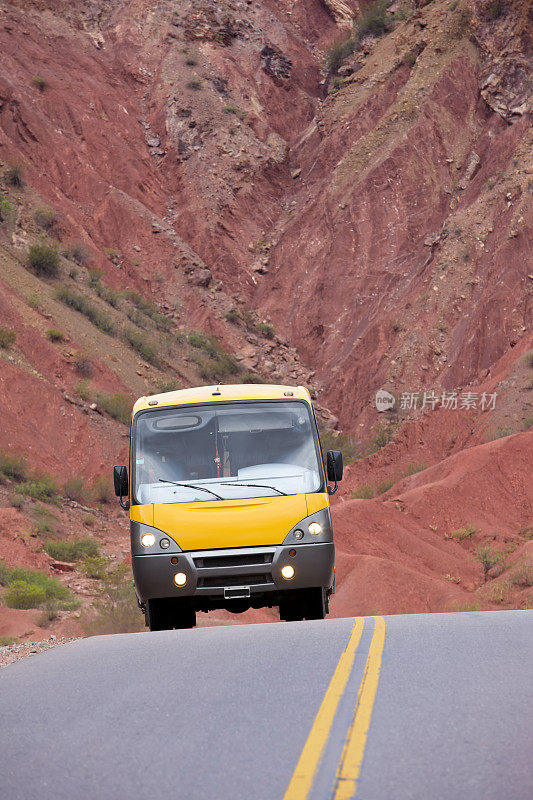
{"x":193,"y":486}
{"x":257,"y":486}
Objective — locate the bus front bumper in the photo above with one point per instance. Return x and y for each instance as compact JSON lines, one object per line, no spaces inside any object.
{"x":222,"y":573}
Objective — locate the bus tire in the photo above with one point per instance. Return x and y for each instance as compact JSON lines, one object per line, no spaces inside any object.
{"x":167,"y":614}
{"x":316,"y":603}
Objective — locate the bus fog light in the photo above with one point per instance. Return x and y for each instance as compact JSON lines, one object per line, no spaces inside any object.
{"x":298,"y":534}
{"x":164,"y":543}
{"x":287,"y":572}
{"x":180,"y":579}
{"x":147,"y":539}
{"x":315,"y":528}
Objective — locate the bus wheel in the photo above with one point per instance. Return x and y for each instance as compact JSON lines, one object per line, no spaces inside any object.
{"x":165,"y":614}
{"x":292,"y":607}
{"x":316,"y":603}
{"x":183,"y":614}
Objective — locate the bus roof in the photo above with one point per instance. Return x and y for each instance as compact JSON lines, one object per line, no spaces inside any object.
{"x":221,"y":393}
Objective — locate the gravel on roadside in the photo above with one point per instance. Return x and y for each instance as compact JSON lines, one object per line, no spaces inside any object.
{"x":14,"y":652}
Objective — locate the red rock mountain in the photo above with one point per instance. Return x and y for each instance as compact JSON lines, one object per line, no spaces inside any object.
{"x":236,"y":194}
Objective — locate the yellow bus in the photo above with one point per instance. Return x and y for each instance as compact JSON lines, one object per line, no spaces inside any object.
{"x":229,"y":504}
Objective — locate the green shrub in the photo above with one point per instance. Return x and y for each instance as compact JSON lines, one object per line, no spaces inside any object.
{"x":198,"y":340}
{"x":464,"y":533}
{"x":7,"y":338}
{"x":13,"y":467}
{"x":16,"y":501}
{"x":495,"y":9}
{"x":78,"y":252}
{"x":102,"y":489}
{"x":143,"y":346}
{"x":39,"y":83}
{"x":384,"y":486}
{"x":5,"y":641}
{"x":76,"y":488}
{"x":252,"y":377}
{"x":14,"y":175}
{"x":336,"y":84}
{"x":500,"y":433}
{"x":219,"y":364}
{"x":83,"y":390}
{"x":265,"y":330}
{"x":235,"y":110}
{"x":339,"y":51}
{"x":383,"y":434}
{"x":336,"y":440}
{"x":529,"y":358}
{"x":55,"y":335}
{"x":5,"y":208}
{"x":522,"y":575}
{"x":374,"y":19}
{"x":364,"y":492}
{"x":29,"y":588}
{"x":42,"y":487}
{"x":50,"y":612}
{"x":89,"y":520}
{"x":116,"y":609}
{"x":413,"y":468}
{"x":5,"y":573}
{"x":194,"y":84}
{"x":116,"y":405}
{"x":83,"y":366}
{"x":233,"y":316}
{"x":45,"y":218}
{"x":488,"y":558}
{"x":95,"y":567}
{"x":43,"y":260}
{"x":81,"y":304}
{"x":111,"y":296}
{"x":21,"y":594}
{"x":137,"y":317}
{"x":170,"y":385}
{"x":45,"y":521}
{"x":469,"y":605}
{"x":73,"y":550}
{"x":34,"y":301}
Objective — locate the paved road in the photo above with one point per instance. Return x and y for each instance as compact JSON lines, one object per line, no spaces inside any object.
{"x":398,"y":708}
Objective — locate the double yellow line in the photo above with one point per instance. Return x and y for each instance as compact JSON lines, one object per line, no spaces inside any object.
{"x":354,"y":746}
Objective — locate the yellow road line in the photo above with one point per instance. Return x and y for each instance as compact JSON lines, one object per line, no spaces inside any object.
{"x":354,"y":746}
{"x":304,"y":773}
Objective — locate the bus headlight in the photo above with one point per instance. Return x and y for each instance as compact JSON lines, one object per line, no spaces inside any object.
{"x":298,"y":534}
{"x":315,"y":528}
{"x":287,"y":572}
{"x":147,"y":539}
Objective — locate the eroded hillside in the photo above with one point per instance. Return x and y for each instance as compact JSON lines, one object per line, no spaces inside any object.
{"x":246,"y":191}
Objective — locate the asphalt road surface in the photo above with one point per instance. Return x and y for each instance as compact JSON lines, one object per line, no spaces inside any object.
{"x":417,"y":706}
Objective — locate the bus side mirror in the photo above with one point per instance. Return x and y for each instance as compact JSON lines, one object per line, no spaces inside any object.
{"x":120,"y":479}
{"x":334,"y":467}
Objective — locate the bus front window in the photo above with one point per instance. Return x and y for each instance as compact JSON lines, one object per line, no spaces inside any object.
{"x":225,"y":451}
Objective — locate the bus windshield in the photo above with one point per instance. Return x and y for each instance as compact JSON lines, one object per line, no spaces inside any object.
{"x":225,"y":452}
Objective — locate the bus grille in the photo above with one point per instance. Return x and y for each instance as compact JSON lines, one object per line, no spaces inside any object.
{"x":220,"y":581}
{"x":241,"y":560}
